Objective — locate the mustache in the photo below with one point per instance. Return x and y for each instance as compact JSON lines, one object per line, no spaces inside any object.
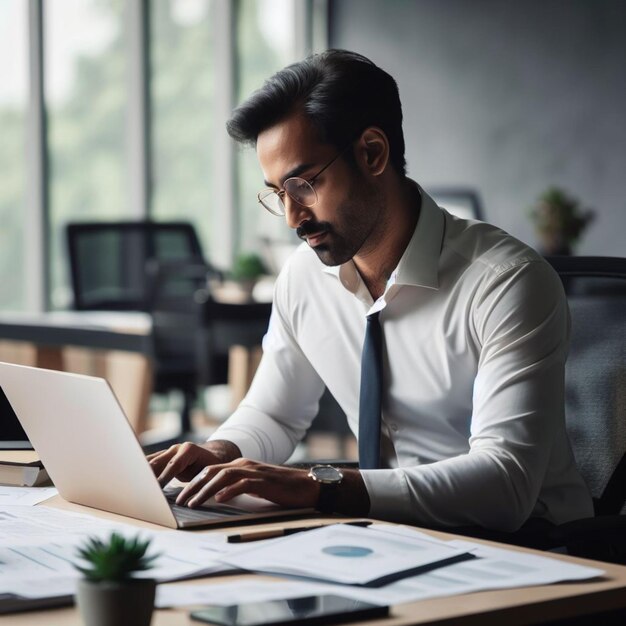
{"x":312,"y":227}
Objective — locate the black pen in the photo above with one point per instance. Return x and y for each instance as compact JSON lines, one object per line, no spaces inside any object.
{"x":282,"y":532}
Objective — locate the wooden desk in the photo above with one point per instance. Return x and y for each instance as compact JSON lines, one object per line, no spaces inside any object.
{"x":50,"y":332}
{"x":119,"y":346}
{"x":513,"y":607}
{"x":115,"y":346}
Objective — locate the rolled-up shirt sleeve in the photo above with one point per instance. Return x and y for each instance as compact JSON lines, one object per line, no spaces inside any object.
{"x":283,"y":398}
{"x":520,"y":323}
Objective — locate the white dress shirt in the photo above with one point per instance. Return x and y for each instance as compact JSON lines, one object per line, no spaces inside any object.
{"x":475,"y":329}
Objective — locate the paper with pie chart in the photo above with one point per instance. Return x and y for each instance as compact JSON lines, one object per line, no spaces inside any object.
{"x":345,"y":554}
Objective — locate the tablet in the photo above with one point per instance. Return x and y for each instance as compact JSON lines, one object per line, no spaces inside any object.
{"x":306,"y":611}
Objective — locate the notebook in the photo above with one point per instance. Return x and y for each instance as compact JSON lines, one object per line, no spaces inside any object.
{"x":93,"y":457}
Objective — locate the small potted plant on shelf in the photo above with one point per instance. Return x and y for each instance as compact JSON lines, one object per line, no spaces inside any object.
{"x":559,"y":221}
{"x":247,"y":269}
{"x":108,"y":595}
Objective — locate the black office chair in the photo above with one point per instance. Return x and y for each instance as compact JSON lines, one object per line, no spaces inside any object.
{"x":596,"y":401}
{"x":192,"y":333}
{"x":595,"y":409}
{"x":114,"y":267}
{"x":175,"y":297}
{"x":463,"y":202}
{"x":108,"y":260}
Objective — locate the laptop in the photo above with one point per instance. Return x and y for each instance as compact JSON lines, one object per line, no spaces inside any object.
{"x":80,"y":431}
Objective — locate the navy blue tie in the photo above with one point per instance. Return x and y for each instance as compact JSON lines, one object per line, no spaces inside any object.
{"x":370,"y":399}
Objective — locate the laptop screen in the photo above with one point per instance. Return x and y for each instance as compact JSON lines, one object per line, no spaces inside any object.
{"x":12,"y":435}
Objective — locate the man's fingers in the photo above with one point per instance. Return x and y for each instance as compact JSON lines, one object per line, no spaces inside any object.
{"x":196,"y":483}
{"x":286,"y":486}
{"x":155,"y":455}
{"x":207,"y":475}
{"x":177,"y":463}
{"x":252,"y":486}
{"x":204,"y":483}
{"x":158,"y":460}
{"x":170,"y":471}
{"x":213,"y":482}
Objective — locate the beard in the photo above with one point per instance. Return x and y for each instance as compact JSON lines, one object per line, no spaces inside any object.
{"x":357,"y":217}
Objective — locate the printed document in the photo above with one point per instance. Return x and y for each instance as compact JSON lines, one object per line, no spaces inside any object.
{"x":25,"y":496}
{"x":345,"y":554}
{"x":493,"y":568}
{"x":236,"y":592}
{"x":39,"y":545}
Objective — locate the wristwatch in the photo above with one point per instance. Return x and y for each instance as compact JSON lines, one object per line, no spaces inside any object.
{"x":329,"y":478}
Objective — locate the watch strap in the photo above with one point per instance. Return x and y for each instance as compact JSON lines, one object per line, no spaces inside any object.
{"x":327,"y":501}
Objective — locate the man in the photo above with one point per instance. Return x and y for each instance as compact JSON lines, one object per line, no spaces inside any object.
{"x":474,"y":330}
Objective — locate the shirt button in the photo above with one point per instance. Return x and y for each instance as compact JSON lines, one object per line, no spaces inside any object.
{"x":394,"y":427}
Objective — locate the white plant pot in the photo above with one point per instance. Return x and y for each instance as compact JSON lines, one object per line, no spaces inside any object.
{"x":114,"y":604}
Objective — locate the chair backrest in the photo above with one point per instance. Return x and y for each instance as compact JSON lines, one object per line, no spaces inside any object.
{"x":595,"y":375}
{"x":463,"y":202}
{"x":176,"y":296}
{"x":188,"y":323}
{"x":108,"y":260}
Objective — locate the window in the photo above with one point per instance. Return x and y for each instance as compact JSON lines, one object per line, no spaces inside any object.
{"x":86,"y":74}
{"x":130,"y":124}
{"x":265,"y":43}
{"x":13,"y":131}
{"x":182,"y":90}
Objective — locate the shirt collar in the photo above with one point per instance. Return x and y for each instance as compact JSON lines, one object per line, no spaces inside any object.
{"x":419,"y":265}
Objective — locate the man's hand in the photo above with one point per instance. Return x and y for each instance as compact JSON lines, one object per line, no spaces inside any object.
{"x":185,"y":460}
{"x":286,"y":486}
{"x":290,"y":487}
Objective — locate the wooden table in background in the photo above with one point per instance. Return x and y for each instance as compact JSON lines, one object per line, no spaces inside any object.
{"x":118,"y":346}
{"x":115,"y":346}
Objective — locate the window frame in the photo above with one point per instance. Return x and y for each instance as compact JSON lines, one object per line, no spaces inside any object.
{"x":310,"y":25}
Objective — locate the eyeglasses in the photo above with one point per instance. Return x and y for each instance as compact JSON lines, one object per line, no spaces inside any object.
{"x":298,"y":189}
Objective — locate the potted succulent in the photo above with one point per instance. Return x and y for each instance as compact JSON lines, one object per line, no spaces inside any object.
{"x":108,"y":595}
{"x":247,"y":269}
{"x":559,"y":221}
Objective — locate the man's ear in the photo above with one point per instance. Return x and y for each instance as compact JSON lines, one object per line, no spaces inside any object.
{"x":372,"y":150}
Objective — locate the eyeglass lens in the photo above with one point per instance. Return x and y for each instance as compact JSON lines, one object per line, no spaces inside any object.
{"x":272,"y":202}
{"x":301,"y":191}
{"x":296,"y":188}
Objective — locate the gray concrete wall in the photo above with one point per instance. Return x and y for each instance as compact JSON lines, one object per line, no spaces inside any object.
{"x":508,"y":96}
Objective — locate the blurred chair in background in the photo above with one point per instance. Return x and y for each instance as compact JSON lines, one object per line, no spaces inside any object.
{"x":595,"y":411}
{"x":114,"y":266}
{"x":177,"y":292}
{"x":108,"y":260}
{"x":193,"y":334}
{"x":463,"y":202}
{"x":595,"y":402}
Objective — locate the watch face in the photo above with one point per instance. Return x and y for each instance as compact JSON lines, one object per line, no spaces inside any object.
{"x":326,"y":474}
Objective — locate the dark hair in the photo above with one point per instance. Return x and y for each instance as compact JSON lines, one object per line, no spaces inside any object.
{"x":341,"y":92}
